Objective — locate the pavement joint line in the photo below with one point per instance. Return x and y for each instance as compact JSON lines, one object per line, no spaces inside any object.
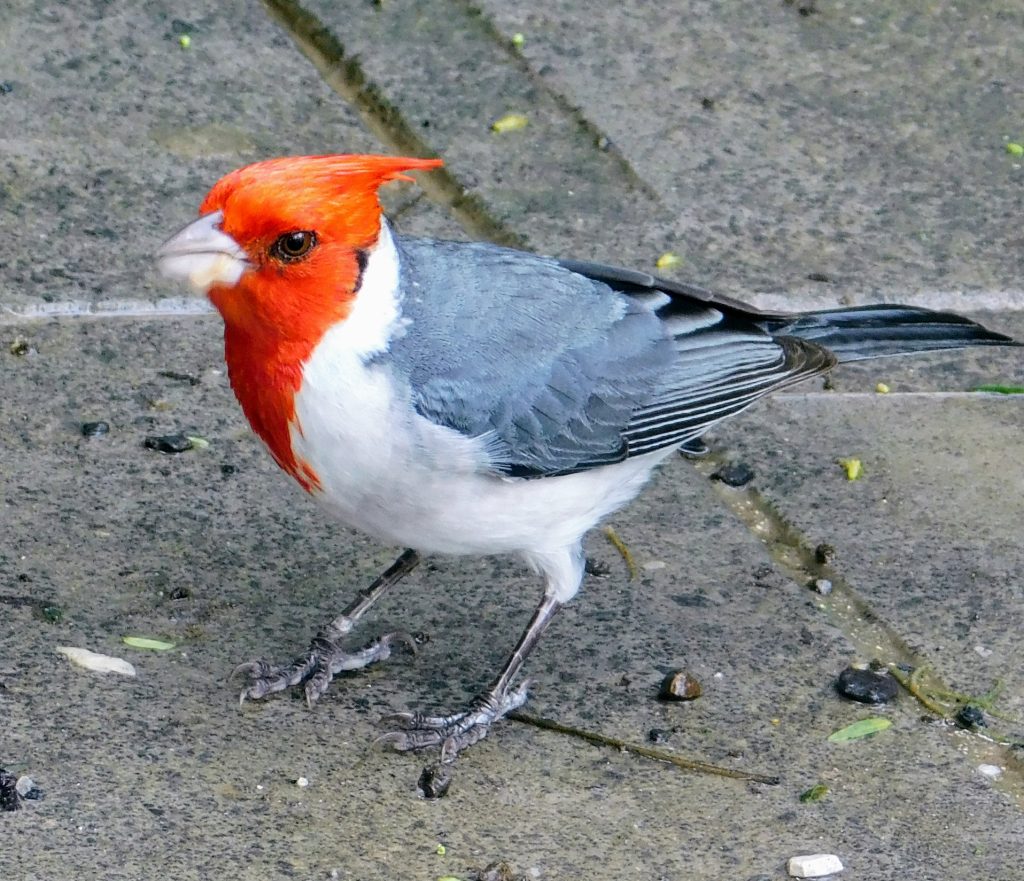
{"x":345,"y":75}
{"x":999,"y":301}
{"x":185,"y":306}
{"x":871,"y":636}
{"x":593,"y":131}
{"x":166,"y":307}
{"x":962,"y":394}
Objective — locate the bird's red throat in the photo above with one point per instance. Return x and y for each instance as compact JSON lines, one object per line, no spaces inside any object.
{"x":268,"y":340}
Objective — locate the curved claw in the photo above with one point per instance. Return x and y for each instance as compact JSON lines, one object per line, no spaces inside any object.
{"x":252,"y":669}
{"x":454,"y":732}
{"x":316,"y":668}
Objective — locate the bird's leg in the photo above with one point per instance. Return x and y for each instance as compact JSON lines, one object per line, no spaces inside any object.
{"x":325,"y":657}
{"x":457,"y":731}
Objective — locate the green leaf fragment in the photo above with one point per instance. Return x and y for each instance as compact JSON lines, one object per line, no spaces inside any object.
{"x":144,"y":642}
{"x":815,"y":793}
{"x":854,"y":468}
{"x":510,"y":122}
{"x":863,"y":728}
{"x":198,"y":443}
{"x":1000,"y":389}
{"x":1015,"y":149}
{"x":668,"y":260}
{"x":51,"y":613}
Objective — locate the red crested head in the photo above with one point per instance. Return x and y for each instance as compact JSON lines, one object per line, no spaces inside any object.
{"x":301,"y":222}
{"x":278,"y":250}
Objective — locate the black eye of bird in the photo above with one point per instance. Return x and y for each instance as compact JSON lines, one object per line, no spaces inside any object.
{"x":293,"y":246}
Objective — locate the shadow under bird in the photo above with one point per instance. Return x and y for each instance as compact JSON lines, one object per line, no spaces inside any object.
{"x":463,"y":398}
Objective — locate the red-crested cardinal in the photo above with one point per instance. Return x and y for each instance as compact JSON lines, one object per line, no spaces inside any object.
{"x":469,"y":399}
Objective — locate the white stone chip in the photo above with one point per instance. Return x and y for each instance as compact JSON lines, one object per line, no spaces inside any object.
{"x":814,"y":865}
{"x":96,"y":662}
{"x":990,"y":771}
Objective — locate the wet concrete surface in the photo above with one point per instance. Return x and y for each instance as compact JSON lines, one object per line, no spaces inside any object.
{"x":112,"y":138}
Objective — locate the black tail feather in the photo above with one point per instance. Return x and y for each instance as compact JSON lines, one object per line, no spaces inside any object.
{"x":879,"y":331}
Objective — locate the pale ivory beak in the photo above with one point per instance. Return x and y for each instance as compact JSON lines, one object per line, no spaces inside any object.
{"x":202,"y":255}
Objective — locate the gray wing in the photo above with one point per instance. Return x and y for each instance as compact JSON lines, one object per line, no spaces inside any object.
{"x":561,"y":369}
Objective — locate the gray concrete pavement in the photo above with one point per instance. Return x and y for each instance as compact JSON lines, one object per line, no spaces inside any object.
{"x":871,"y":151}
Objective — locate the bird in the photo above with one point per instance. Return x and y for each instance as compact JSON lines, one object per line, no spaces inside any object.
{"x":464,"y":398}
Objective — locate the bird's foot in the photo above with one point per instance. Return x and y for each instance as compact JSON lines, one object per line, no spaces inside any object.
{"x":457,"y":731}
{"x":315,"y":669}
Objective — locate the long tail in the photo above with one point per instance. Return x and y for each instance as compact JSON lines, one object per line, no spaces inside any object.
{"x":879,"y":331}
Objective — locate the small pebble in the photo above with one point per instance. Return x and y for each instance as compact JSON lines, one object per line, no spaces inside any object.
{"x":866,"y":686}
{"x":679,"y":685}
{"x":990,"y":771}
{"x":970,"y":716}
{"x":814,"y":865}
{"x":20,"y":347}
{"x":658,"y":735}
{"x":734,"y":474}
{"x":824,"y":553}
{"x":982,"y":651}
{"x":435,"y":781}
{"x":95,"y":429}
{"x":24,"y":785}
{"x":168,"y":443}
{"x":822,"y":586}
{"x":302,"y":782}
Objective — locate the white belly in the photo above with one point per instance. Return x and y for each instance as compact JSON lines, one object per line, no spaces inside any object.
{"x":390,"y":473}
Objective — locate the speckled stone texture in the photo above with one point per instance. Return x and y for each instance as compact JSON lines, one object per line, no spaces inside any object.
{"x":856,"y":142}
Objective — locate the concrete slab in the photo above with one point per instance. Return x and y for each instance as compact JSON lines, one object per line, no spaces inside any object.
{"x":933,"y":525}
{"x":112,"y":137}
{"x":446,"y":76}
{"x":859,"y":141}
{"x":116,"y":132}
{"x":214,"y":550}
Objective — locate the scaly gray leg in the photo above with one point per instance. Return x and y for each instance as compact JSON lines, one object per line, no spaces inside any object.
{"x":457,"y":731}
{"x":325,"y":657}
